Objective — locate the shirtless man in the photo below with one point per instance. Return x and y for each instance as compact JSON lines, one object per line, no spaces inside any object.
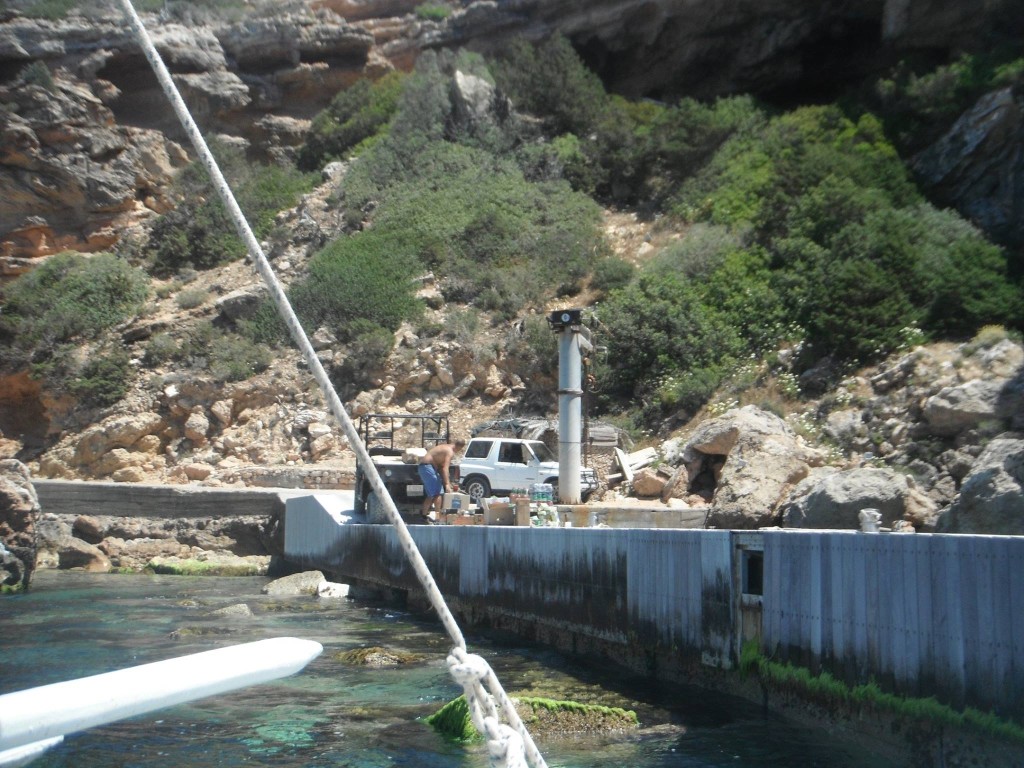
{"x":433,"y":471}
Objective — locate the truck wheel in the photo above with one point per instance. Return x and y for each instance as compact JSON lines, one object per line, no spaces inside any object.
{"x":477,"y":487}
{"x":375,"y":510}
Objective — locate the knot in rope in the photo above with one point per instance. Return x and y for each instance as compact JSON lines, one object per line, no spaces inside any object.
{"x":467,"y":668}
{"x":504,"y":744}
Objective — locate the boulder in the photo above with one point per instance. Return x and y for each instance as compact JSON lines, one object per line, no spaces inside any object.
{"x":116,"y":432}
{"x":834,"y":499}
{"x":749,"y":460}
{"x":80,"y":554}
{"x":330,"y":589}
{"x":647,"y":483}
{"x":305,"y":583}
{"x":88,"y":529}
{"x":991,"y":497}
{"x":977,"y":166}
{"x":19,"y":507}
{"x":962,"y":407}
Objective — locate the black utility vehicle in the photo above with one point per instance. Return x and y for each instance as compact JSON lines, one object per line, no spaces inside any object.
{"x":388,"y":438}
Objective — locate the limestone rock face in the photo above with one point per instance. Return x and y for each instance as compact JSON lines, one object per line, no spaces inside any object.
{"x":287,"y":64}
{"x":751,"y":459}
{"x":992,"y":495}
{"x":19,"y":507}
{"x":977,"y":166}
{"x":72,"y":177}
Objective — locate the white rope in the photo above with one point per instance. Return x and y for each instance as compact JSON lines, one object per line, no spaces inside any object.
{"x":511,"y":741}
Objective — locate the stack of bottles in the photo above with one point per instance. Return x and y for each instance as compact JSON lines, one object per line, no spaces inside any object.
{"x":542,"y":493}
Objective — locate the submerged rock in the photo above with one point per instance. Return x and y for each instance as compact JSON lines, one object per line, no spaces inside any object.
{"x":306,"y":583}
{"x":547,"y":716}
{"x":377,"y":657}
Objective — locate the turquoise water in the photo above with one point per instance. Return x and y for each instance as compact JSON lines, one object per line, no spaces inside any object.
{"x":332,"y":715}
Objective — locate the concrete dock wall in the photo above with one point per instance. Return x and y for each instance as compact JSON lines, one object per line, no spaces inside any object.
{"x":68,"y":497}
{"x":921,"y":614}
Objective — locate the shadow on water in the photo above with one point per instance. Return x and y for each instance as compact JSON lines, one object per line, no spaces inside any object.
{"x":334,"y":714}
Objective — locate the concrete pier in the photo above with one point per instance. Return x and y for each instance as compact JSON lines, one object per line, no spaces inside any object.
{"x":921,"y":614}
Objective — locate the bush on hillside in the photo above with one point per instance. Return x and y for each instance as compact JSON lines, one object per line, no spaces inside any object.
{"x":104,"y":378}
{"x":68,"y":297}
{"x":494,"y":239}
{"x":199,"y":234}
{"x":919,"y":101}
{"x":365,"y":278}
{"x":610,"y":273}
{"x":550,"y":80}
{"x":354,"y":116}
{"x":853,"y":255}
{"x":363,"y":359}
{"x":658,"y":328}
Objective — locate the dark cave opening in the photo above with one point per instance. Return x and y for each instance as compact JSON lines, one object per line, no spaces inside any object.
{"x":832,"y":62}
{"x":829,"y":61}
{"x":705,"y":482}
{"x":141,"y":102}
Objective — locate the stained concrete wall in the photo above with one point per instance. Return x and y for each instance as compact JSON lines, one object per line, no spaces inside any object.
{"x":922,"y":614}
{"x":604,"y":587}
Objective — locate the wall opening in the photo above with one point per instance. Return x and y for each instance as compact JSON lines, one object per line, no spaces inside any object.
{"x":753,"y":572}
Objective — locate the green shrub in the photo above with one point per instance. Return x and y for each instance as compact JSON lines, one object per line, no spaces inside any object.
{"x":365,"y":357}
{"x":462,"y":325}
{"x":610,"y":273}
{"x":66,"y":298}
{"x":354,"y":116}
{"x":742,"y":292}
{"x":919,"y":101}
{"x":225,"y":355}
{"x":266,"y":326}
{"x":531,"y":349}
{"x":160,"y":349}
{"x":700,"y":253}
{"x":686,"y":135}
{"x":494,"y":239}
{"x":199,"y":234}
{"x":191,"y":298}
{"x":551,"y":81}
{"x":37,"y":73}
{"x":50,"y":9}
{"x":104,"y":378}
{"x":233,"y":357}
{"x":657,"y":329}
{"x":363,"y":278}
{"x":433,"y":11}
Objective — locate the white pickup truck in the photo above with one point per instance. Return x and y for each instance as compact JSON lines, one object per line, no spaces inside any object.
{"x":498,"y":465}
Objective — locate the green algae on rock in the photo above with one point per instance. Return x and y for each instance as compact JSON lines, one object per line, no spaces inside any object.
{"x":541,"y":716}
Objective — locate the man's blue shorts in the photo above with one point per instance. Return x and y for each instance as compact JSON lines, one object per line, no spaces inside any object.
{"x":432,"y":485}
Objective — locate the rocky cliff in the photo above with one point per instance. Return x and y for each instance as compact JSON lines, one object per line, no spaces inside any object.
{"x":87,"y":149}
{"x":87,"y":139}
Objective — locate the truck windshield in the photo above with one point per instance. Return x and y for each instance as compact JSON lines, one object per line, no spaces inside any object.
{"x":543,"y":452}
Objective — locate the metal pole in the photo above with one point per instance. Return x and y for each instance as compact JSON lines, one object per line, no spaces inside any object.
{"x":570,"y":413}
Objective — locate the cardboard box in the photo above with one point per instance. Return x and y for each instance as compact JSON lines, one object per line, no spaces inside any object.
{"x":499,"y":513}
{"x":454,"y":519}
{"x":522,"y":511}
{"x":455,"y":502}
